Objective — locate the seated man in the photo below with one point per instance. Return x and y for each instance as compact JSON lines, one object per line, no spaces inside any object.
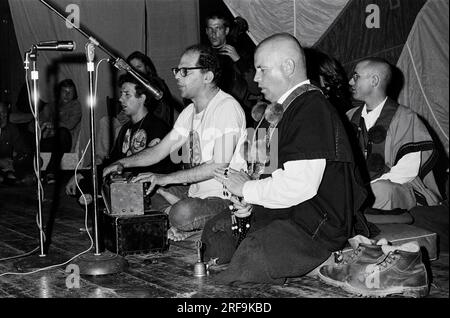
{"x":143,"y":130}
{"x":16,"y":158}
{"x":398,"y":149}
{"x":211,"y":126}
{"x":305,"y":209}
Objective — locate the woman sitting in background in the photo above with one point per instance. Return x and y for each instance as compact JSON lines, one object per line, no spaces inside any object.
{"x":165,"y":107}
{"x":60,"y":125}
{"x":331,"y":77}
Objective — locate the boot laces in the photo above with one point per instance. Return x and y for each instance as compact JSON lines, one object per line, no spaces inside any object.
{"x":385,"y":263}
{"x":356,"y":252}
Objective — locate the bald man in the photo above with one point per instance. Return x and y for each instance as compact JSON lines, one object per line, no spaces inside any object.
{"x":398,"y":149}
{"x":304,"y":210}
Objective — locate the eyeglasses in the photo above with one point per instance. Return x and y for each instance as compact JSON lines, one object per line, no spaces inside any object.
{"x":184,"y":70}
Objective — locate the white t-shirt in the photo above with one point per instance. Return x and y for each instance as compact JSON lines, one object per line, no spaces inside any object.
{"x":223,"y":115}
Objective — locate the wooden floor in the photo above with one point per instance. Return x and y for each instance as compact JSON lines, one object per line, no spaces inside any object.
{"x":159,"y":275}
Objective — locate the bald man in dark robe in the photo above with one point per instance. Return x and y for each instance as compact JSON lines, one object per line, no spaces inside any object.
{"x":306,"y":208}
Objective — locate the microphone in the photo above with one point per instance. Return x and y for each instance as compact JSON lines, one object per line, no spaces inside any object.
{"x":55,"y":46}
{"x":90,"y":52}
{"x":122,"y":65}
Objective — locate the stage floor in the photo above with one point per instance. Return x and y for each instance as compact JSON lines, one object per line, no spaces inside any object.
{"x":157,"y":275}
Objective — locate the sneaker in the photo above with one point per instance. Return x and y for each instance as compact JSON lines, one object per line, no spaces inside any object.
{"x":402,"y":272}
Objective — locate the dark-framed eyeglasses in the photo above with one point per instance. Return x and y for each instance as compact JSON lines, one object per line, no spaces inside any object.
{"x":184,"y":70}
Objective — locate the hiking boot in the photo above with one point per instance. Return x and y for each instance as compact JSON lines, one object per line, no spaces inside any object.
{"x":402,"y":272}
{"x":365,"y":251}
{"x":362,"y":256}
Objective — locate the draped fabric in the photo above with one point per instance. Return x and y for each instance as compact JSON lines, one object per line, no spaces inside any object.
{"x":424,"y":64}
{"x":412,"y":35}
{"x":305,"y":19}
{"x":161,"y":29}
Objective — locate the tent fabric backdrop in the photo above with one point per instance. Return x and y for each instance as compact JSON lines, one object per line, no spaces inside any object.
{"x":306,"y":19}
{"x":412,"y":35}
{"x":424,"y":63}
{"x":119,"y":26}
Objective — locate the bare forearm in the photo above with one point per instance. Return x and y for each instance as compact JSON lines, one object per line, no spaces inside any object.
{"x":197,"y":174}
{"x":146,"y":157}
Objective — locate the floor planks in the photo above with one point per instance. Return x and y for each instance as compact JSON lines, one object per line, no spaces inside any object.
{"x":154,"y":275}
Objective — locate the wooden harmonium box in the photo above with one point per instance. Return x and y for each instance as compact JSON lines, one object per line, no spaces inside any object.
{"x":126,"y":197}
{"x":136,"y":234}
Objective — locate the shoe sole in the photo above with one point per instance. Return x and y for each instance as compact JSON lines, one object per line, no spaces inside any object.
{"x":329,"y":280}
{"x":416,"y":292}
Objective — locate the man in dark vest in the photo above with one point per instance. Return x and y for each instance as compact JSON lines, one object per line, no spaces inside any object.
{"x":306,"y":208}
{"x":396,"y":145}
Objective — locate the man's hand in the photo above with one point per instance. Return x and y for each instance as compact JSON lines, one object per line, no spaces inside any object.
{"x":243,"y":209}
{"x":71,"y":186}
{"x":233,"y":180}
{"x":230,"y":51}
{"x":115,"y":167}
{"x":153,"y":178}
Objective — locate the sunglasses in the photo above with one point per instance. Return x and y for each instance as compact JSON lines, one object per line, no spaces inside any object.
{"x":184,"y":70}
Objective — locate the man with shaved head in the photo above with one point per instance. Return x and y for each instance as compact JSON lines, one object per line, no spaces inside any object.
{"x":398,"y":149}
{"x":305,"y":209}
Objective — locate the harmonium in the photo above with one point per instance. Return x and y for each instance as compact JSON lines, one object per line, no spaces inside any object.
{"x":130,"y":225}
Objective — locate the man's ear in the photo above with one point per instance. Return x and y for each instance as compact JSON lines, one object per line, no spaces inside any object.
{"x":227,"y":30}
{"x":288,"y":66}
{"x":209,"y":77}
{"x":143,"y":97}
{"x":375,"y":81}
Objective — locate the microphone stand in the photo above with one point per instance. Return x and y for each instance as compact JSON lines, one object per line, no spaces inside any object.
{"x":98,"y":263}
{"x":34,"y":78}
{"x":106,"y":262}
{"x":42,"y":260}
{"x":117,"y":62}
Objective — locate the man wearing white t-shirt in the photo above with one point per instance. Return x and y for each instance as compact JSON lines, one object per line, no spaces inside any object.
{"x":211,"y":127}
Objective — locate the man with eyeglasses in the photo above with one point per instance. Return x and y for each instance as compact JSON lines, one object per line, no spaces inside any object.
{"x":210,"y":129}
{"x":236,"y":64}
{"x":396,"y":145}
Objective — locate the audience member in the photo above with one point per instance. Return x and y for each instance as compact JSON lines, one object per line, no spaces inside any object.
{"x":59,"y":122}
{"x":396,"y":145}
{"x":211,"y":141}
{"x":306,"y":208}
{"x":331,"y":77}
{"x":165,"y":107}
{"x":16,"y":158}
{"x":237,"y":66}
{"x":68,"y":110}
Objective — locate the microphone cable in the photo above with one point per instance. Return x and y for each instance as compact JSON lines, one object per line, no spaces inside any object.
{"x":40,"y":185}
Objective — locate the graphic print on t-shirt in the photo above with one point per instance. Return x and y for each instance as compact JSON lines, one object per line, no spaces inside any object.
{"x":134,"y":143}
